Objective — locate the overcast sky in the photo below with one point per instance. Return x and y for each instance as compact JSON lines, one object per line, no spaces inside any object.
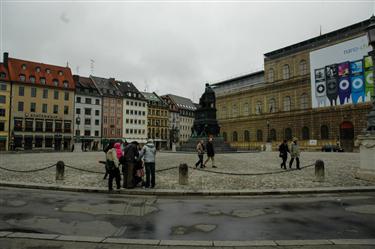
{"x":167,"y":47}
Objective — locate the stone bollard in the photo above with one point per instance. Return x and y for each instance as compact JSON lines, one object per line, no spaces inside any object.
{"x":183,"y":176}
{"x":319,"y":171}
{"x":60,"y":167}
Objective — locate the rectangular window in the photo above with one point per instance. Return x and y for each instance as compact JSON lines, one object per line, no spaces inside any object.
{"x":78,"y":111}
{"x":2,"y":112}
{"x":96,"y":133}
{"x":48,"y":142}
{"x":32,"y":107}
{"x":56,"y":94}
{"x":29,"y":125}
{"x":21,"y":91}
{"x":67,"y":127}
{"x":96,"y":121}
{"x":105,"y":120}
{"x":2,"y":99}
{"x":2,"y":126}
{"x":97,"y":101}
{"x":38,"y":141}
{"x":18,"y":125}
{"x":49,"y":126}
{"x":55,"y":109}
{"x":87,"y":121}
{"x":33,"y":92}
{"x":87,"y":133}
{"x":20,"y":106}
{"x":39,"y":126}
{"x":3,"y":87}
{"x":45,"y":93}
{"x":87,"y":100}
{"x":97,"y":113}
{"x":66,"y":110}
{"x":87,"y":111}
{"x":58,"y":126}
{"x":66,"y":95}
{"x":78,"y":99}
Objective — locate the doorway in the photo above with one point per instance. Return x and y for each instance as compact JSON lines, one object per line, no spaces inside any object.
{"x":347,"y":136}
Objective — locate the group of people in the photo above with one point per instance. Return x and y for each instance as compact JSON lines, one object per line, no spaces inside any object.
{"x":294,"y":153}
{"x":201,"y":149}
{"x":133,"y":159}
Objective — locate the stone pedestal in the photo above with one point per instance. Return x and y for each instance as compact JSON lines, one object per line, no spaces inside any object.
{"x":366,"y":169}
{"x":183,"y":174}
{"x":269,"y":147}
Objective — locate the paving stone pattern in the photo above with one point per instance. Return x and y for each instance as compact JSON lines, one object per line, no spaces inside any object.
{"x":339,"y":170}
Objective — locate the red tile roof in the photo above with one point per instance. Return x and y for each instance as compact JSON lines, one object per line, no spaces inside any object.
{"x":3,"y":71}
{"x":15,"y":67}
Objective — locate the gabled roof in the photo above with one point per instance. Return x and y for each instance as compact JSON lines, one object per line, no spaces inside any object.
{"x":182,"y":102}
{"x":154,"y":97}
{"x":17,"y":67}
{"x":106,"y":87}
{"x":84,"y":84}
{"x":129,"y":90}
{"x":4,"y":74}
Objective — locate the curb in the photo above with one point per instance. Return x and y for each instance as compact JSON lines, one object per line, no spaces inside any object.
{"x":174,"y":192}
{"x":206,"y":243}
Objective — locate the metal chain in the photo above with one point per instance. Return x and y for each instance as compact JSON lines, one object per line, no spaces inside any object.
{"x":28,"y":171}
{"x":86,"y":170}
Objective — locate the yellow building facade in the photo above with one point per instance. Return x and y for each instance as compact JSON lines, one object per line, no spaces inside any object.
{"x":5,"y":89}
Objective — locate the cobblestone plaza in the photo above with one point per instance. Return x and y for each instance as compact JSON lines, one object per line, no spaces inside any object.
{"x":339,"y":169}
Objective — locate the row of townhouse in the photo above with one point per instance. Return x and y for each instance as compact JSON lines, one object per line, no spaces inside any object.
{"x":45,"y":107}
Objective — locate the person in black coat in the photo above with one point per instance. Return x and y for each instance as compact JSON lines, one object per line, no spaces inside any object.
{"x":131,"y":155}
{"x":283,"y":149}
{"x":210,"y":152}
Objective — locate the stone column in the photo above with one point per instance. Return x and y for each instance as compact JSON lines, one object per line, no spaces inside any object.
{"x":183,"y":174}
{"x":366,"y":169}
{"x":60,"y":168}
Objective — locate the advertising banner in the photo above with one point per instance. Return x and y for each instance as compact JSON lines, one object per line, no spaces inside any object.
{"x":341,"y":74}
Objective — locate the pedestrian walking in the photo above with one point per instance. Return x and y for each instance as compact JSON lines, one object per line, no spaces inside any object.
{"x":210,"y":152}
{"x":294,"y":153}
{"x":200,"y":151}
{"x":148,"y":153}
{"x":283,"y":153}
{"x":113,"y":167}
{"x":130,"y":155}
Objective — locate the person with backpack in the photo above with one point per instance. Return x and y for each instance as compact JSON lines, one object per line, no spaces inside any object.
{"x":113,"y":167}
{"x":283,"y":153}
{"x":148,"y":153}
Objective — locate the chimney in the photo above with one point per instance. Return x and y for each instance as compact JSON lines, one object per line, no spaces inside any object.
{"x":5,"y":59}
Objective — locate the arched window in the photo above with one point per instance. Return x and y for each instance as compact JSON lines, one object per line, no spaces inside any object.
{"x":304,"y":101}
{"x":234,"y":136}
{"x":271,"y":75}
{"x":273,"y":135}
{"x":272,"y":105}
{"x":324,"y":132}
{"x":225,"y":137}
{"x":259,"y":135}
{"x":234,"y":110}
{"x":246,"y":110}
{"x":302,"y":67}
{"x":288,"y":134}
{"x":305,"y":133}
{"x":32,"y":79}
{"x":286,"y":72}
{"x":287,"y":103}
{"x":22,"y":77}
{"x":224,"y":112}
{"x":246,"y":136}
{"x":258,"y":107}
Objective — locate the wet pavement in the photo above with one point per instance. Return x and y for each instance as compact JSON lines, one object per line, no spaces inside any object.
{"x":328,"y":216}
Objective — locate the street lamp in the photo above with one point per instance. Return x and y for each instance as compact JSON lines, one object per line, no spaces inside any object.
{"x":78,"y":121}
{"x":371,"y":41}
{"x":268,"y":132}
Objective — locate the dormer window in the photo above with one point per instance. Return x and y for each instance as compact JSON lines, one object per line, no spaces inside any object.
{"x":48,"y":71}
{"x":60,"y":73}
{"x":22,"y":77}
{"x":37,"y":69}
{"x":55,"y":82}
{"x":43,"y":81}
{"x":65,"y":83}
{"x":3,"y":75}
{"x":23,"y":66}
{"x":32,"y":79}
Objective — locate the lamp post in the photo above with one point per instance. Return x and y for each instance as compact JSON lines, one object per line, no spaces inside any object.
{"x":268,"y":132}
{"x":371,"y":40}
{"x":78,"y":122}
